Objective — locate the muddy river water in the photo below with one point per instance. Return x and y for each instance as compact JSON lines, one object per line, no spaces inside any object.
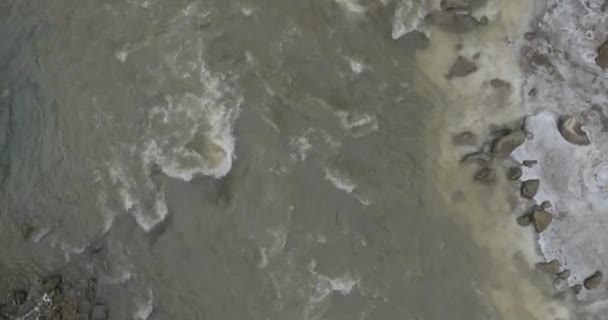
{"x":285,"y":159}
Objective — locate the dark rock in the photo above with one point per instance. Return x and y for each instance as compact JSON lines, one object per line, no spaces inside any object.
{"x":483,"y":21}
{"x":533,"y":92}
{"x":504,"y":145}
{"x":550,"y":267}
{"x":453,"y":21}
{"x":51,"y":283}
{"x":593,"y":281}
{"x":19,"y":297}
{"x":461,"y":68}
{"x":500,"y":84}
{"x":541,"y":219}
{"x":545,"y":205}
{"x":576,"y":289}
{"x":481,"y":158}
{"x":529,"y":163}
{"x":514,"y":173}
{"x":466,"y":138}
{"x":602,"y":55}
{"x":524,"y":220}
{"x":570,"y":128}
{"x":99,"y":312}
{"x":564,"y":275}
{"x":529,"y":188}
{"x":486,"y":175}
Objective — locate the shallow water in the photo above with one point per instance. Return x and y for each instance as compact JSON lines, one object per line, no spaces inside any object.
{"x":252,"y":160}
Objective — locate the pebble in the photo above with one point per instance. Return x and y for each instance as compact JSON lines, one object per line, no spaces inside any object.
{"x":504,"y":145}
{"x":529,"y":163}
{"x":461,"y":68}
{"x":529,"y":188}
{"x":541,"y":219}
{"x":546,"y":204}
{"x":514,"y":173}
{"x":571,"y":130}
{"x":602,"y":55}
{"x":550,"y":267}
{"x":593,"y":281}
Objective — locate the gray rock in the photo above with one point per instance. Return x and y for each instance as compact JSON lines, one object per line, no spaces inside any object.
{"x":602,"y":55}
{"x":462,"y":67}
{"x":550,"y":267}
{"x":571,"y":129}
{"x":546,"y":205}
{"x":514,"y":173}
{"x":541,"y":219}
{"x":524,"y":220}
{"x":593,"y":281}
{"x":453,"y":21}
{"x":481,"y":158}
{"x":504,"y":145}
{"x":529,"y":163}
{"x":529,"y":188}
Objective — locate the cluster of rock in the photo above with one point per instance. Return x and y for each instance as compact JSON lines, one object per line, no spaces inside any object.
{"x":494,"y":154}
{"x":54,"y":298}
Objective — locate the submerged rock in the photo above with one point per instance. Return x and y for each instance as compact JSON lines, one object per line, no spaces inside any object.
{"x":550,"y":267}
{"x":455,"y":5}
{"x":570,"y":128}
{"x":504,"y":145}
{"x":462,"y":67}
{"x":479,"y":157}
{"x":593,"y":281}
{"x":514,"y":173}
{"x":99,"y":312}
{"x":500,"y":84}
{"x":529,"y":163}
{"x":51,"y":283}
{"x":466,"y":138}
{"x":529,"y":188}
{"x":564,"y":274}
{"x":19,"y":297}
{"x":485,"y":175}
{"x":541,"y":219}
{"x":576,"y":289}
{"x":602,"y":55}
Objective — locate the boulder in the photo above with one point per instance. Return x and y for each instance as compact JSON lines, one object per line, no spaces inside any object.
{"x":529,"y":188}
{"x":593,"y":281}
{"x":504,"y":145}
{"x":462,"y":67}
{"x":571,"y":129}
{"x":541,"y":219}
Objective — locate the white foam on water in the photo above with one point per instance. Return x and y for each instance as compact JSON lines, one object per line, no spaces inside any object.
{"x":302,"y":146}
{"x":340,"y":180}
{"x":409,"y":16}
{"x":357,"y":124}
{"x":353,"y":6}
{"x":145,"y":307}
{"x":324,"y":285}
